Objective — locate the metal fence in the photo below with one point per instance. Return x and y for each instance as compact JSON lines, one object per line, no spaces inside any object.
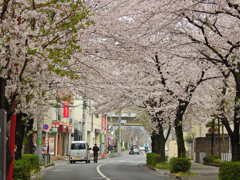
{"x":46,"y":159}
{"x":226,"y":156}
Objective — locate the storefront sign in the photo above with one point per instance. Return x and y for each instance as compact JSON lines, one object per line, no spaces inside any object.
{"x":45,"y":126}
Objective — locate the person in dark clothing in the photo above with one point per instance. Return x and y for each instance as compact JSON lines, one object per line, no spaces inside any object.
{"x":95,"y":152}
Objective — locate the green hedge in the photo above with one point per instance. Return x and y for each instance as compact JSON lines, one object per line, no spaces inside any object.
{"x":153,"y":159}
{"x":210,"y":159}
{"x":33,"y":161}
{"x":23,"y":168}
{"x":229,"y":171}
{"x":179,"y":165}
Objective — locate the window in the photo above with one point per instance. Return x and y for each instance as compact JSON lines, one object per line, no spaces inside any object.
{"x":78,"y":146}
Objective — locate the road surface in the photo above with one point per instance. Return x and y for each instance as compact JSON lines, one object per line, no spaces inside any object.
{"x":125,"y":167}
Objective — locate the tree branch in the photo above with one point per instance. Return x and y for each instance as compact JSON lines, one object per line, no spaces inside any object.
{"x":4,"y":9}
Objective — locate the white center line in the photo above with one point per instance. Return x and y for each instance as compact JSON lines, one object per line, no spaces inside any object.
{"x":100,"y":173}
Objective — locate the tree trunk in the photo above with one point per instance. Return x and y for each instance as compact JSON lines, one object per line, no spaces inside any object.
{"x":179,"y":128}
{"x":235,"y":147}
{"x":153,"y":144}
{"x":162,"y":143}
{"x":29,"y":147}
{"x":158,"y":145}
{"x":212,"y":136}
{"x":20,"y":132}
{"x":235,"y":136}
{"x":219,"y":139}
{"x":180,"y":140}
{"x":233,"y":132}
{"x":2,"y":93}
{"x":154,"y":138}
{"x":159,"y":141}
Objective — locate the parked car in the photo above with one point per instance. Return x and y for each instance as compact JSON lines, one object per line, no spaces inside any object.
{"x":142,"y":148}
{"x":134,"y":150}
{"x":79,"y":152}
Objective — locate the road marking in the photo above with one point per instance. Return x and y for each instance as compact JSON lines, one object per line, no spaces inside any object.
{"x":100,"y":173}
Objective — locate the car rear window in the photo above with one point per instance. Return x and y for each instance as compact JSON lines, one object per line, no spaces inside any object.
{"x":78,"y":146}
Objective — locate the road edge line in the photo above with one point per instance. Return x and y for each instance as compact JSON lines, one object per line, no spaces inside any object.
{"x":100,"y":173}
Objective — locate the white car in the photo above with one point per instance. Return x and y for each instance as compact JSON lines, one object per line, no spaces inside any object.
{"x":79,"y":152}
{"x":141,"y":148}
{"x":136,"y":150}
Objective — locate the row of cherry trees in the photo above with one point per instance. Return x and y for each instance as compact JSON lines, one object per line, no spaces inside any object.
{"x":166,"y":56}
{"x":39,"y":56}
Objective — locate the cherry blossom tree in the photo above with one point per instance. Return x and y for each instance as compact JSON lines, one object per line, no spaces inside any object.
{"x":212,"y":29}
{"x":125,"y":38}
{"x":38,"y":50}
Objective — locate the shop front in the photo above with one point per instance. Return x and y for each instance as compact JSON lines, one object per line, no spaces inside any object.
{"x":59,"y":138}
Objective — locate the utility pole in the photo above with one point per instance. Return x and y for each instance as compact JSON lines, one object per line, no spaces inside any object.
{"x":3,"y":133}
{"x":84,"y":117}
{"x":3,"y":144}
{"x":212,"y":137}
{"x":219,"y":138}
{"x":120,"y":133}
{"x":39,"y":139}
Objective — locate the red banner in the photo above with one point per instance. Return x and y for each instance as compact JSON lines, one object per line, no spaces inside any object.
{"x":65,"y":110}
{"x":104,"y":123}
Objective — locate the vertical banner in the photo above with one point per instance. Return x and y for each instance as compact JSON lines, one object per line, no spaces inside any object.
{"x":104,"y":123}
{"x":65,"y":109}
{"x":12,"y":146}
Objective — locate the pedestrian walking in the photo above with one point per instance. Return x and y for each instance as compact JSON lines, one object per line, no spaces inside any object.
{"x":95,"y":153}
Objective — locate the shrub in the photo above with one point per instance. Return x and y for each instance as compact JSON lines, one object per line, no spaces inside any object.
{"x":162,"y":165}
{"x":33,"y":161}
{"x":179,"y":165}
{"x":229,"y":171}
{"x":210,"y":159}
{"x":23,"y":168}
{"x":153,"y":159}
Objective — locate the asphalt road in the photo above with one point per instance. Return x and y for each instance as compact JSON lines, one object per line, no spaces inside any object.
{"x":125,"y":167}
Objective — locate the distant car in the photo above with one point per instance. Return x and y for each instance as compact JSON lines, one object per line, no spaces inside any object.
{"x":131,"y":151}
{"x":142,"y":148}
{"x":134,"y":150}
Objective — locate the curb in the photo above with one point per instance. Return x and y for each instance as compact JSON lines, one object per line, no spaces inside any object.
{"x":198,"y":175}
{"x":162,"y":172}
{"x":39,"y":175}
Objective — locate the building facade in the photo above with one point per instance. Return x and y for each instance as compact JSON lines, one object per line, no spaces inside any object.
{"x":73,"y":121}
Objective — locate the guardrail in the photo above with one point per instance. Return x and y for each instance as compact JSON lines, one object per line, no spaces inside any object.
{"x":46,"y":159}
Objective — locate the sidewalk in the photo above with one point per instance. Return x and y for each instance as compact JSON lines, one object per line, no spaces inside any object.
{"x":202,"y":172}
{"x":44,"y":169}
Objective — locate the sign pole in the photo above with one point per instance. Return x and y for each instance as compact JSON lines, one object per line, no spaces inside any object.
{"x":3,"y":144}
